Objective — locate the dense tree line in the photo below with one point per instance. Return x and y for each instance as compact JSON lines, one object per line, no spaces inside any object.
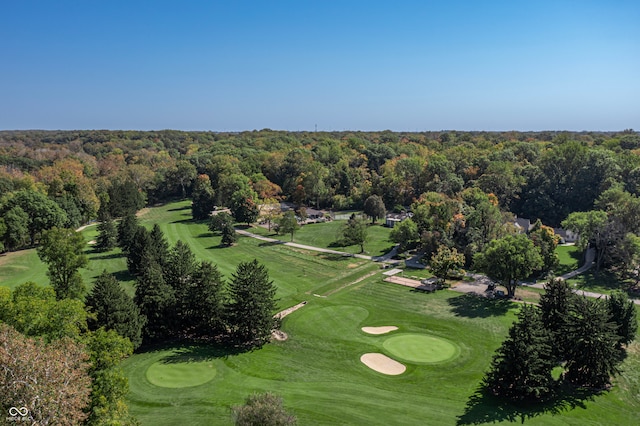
{"x":179,"y":297}
{"x":586,"y":338}
{"x":463,"y":188}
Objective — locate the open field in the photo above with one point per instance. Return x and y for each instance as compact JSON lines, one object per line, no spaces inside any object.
{"x":318,"y":371}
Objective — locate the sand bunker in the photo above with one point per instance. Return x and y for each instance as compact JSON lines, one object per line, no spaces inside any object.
{"x":382,"y":364}
{"x":379,"y":330}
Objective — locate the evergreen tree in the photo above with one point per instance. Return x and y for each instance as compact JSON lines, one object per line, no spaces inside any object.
{"x":178,"y":273}
{"x":126,"y":232}
{"x":521,"y":368}
{"x":623,"y":313}
{"x":158,"y":245}
{"x":205,"y":300}
{"x":107,"y":237}
{"x":139,"y":248}
{"x":251,"y":305}
{"x":114,"y":309}
{"x":592,"y":352}
{"x":554,"y":306}
{"x":155,"y":299}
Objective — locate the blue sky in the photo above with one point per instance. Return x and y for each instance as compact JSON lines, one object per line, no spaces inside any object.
{"x":340,"y":65}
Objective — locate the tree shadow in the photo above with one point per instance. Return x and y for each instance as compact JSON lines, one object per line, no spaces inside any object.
{"x":107,"y":256}
{"x":189,"y":220}
{"x":177,"y":209}
{"x":123,"y":275}
{"x":193,"y":352}
{"x":206,"y":235}
{"x":483,"y":407}
{"x":271,"y":243}
{"x":475,"y":306}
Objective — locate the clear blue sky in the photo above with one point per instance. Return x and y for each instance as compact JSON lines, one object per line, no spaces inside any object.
{"x":340,"y":65}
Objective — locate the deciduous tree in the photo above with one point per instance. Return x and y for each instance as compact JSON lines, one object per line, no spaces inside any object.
{"x":374,"y":208}
{"x":62,"y":250}
{"x":262,"y":410}
{"x":445,"y":261}
{"x":287,"y":223}
{"x":50,"y":379}
{"x":508,"y":260}
{"x":354,"y":232}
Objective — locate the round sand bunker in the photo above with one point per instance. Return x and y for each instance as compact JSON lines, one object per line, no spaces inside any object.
{"x":379,"y":330}
{"x":382,"y":364}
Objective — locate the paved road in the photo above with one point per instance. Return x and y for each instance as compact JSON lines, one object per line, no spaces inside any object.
{"x":479,"y":279}
{"x":302,"y":246}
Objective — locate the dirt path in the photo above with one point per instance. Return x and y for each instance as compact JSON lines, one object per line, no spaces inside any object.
{"x":287,"y":311}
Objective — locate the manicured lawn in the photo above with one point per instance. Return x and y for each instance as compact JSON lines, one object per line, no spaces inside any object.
{"x":326,"y":235}
{"x":570,"y":258}
{"x":317,"y":370}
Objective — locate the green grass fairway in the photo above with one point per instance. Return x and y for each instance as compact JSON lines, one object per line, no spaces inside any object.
{"x":180,"y":374}
{"x":420,"y":348}
{"x":317,"y":371}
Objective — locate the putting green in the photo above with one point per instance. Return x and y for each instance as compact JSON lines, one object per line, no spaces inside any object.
{"x":180,"y":374}
{"x":420,"y":348}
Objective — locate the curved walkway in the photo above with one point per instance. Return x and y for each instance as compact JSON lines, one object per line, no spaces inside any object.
{"x":310,"y":248}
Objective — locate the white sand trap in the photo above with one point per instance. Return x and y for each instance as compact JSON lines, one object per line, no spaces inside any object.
{"x":382,"y":364}
{"x":92,"y":242}
{"x":379,"y":330}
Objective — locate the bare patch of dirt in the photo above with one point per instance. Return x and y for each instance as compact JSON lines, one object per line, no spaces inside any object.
{"x":279,"y":335}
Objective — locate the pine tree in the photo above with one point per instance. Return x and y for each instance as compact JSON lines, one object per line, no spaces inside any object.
{"x":250,"y":310}
{"x":554,"y":306}
{"x":592,"y":351}
{"x":521,"y":368}
{"x":140,"y":247}
{"x":126,"y":232}
{"x":155,"y":299}
{"x":623,"y":313}
{"x":158,"y":245}
{"x":114,"y":309}
{"x":107,"y":238}
{"x":205,"y":300}
{"x":178,"y":273}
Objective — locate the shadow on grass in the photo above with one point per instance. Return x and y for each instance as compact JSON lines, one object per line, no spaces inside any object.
{"x":271,"y":243}
{"x":189,"y":220}
{"x":177,"y":209}
{"x":122,"y":275}
{"x":193,"y":352}
{"x":206,"y":235}
{"x":474,"y":306}
{"x":483,"y":408}
{"x":106,"y":256}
